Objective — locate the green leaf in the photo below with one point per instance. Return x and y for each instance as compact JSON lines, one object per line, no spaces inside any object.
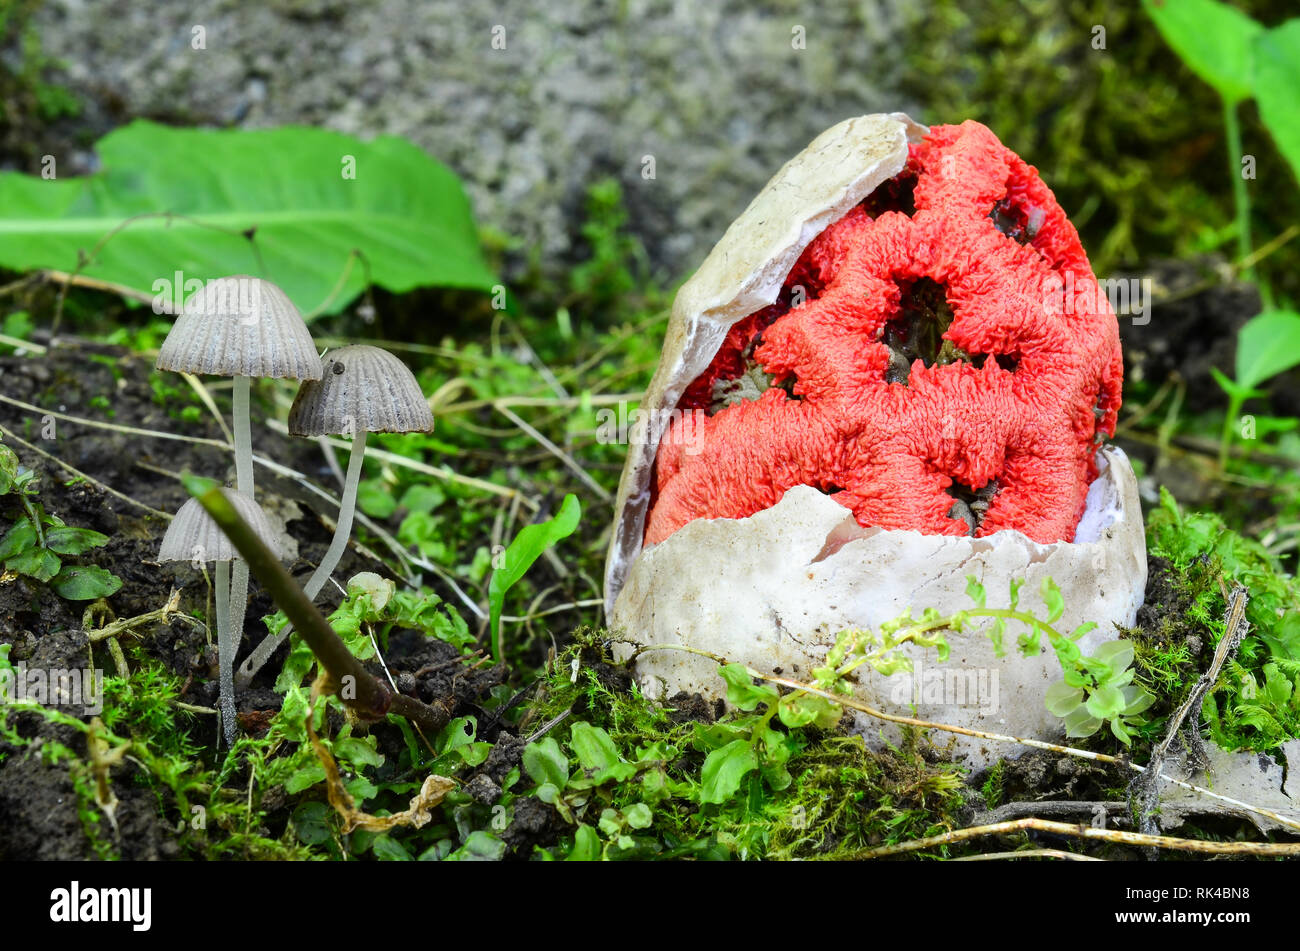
{"x":797,"y":710}
{"x":1062,"y":699}
{"x":1116,"y":655}
{"x":1277,"y":79}
{"x":1267,"y":345}
{"x":638,"y":815}
{"x":311,"y":823}
{"x":1136,"y":699}
{"x":975,"y":590}
{"x":586,"y":845}
{"x":1121,"y":734}
{"x":742,"y":692}
{"x":66,"y":540}
{"x":304,"y":778}
{"x":546,"y":763}
{"x":593,"y":747}
{"x":1213,"y":39}
{"x":37,"y":563}
{"x":389,"y":850}
{"x":1053,"y":600}
{"x":527,"y":547}
{"x":1106,"y":702}
{"x":724,"y":769}
{"x":405,"y":212}
{"x":375,"y":499}
{"x":1081,"y":723}
{"x":85,"y":583}
{"x":20,"y":537}
{"x":8,"y":469}
{"x":479,"y":846}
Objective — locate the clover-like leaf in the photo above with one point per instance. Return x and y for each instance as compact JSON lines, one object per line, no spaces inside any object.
{"x":1062,"y":699}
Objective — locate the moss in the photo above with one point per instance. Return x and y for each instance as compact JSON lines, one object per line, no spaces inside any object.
{"x":1128,"y":138}
{"x":1194,"y":561}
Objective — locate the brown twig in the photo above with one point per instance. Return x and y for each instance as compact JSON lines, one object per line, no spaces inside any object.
{"x":1080,"y":831}
{"x":1146,"y":788}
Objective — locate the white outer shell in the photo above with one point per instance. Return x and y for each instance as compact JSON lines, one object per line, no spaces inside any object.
{"x":743,"y":273}
{"x":772,"y":591}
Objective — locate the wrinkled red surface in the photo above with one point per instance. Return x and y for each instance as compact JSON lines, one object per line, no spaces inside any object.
{"x":888,"y":450}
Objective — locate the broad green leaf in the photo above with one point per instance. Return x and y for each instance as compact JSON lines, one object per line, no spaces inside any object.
{"x":1081,"y":723}
{"x":598,"y":756}
{"x":1106,"y":702}
{"x":742,"y":692}
{"x":1277,"y":87}
{"x":387,"y":849}
{"x":358,"y":751}
{"x":546,"y":763}
{"x":404,"y":211}
{"x":479,"y":846}
{"x":975,"y":590}
{"x":797,"y":710}
{"x":311,"y":822}
{"x":638,"y":815}
{"x":85,"y":582}
{"x":8,"y":469}
{"x":724,"y":769}
{"x":1213,"y":39}
{"x":527,"y":547}
{"x":375,"y":499}
{"x":1267,"y":345}
{"x":1121,"y":734}
{"x":1116,"y":655}
{"x":586,"y":845}
{"x":1062,"y":699}
{"x":20,"y":537}
{"x":39,"y":563}
{"x":66,"y":540}
{"x":1136,"y":700}
{"x":304,"y":778}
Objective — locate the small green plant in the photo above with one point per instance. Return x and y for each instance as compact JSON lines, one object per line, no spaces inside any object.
{"x":37,"y":544}
{"x":527,"y":547}
{"x":1241,"y":60}
{"x":1096,"y":690}
{"x":1256,"y":702}
{"x":1268,"y":344}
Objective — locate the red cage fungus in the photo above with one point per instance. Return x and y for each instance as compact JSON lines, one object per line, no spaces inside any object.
{"x":941,"y":359}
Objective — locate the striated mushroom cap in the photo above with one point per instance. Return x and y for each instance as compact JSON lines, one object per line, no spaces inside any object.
{"x":194,"y":536}
{"x":360,"y":388}
{"x":240,"y":326}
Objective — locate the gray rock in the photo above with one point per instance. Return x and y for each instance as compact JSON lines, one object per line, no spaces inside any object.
{"x":715,"y":92}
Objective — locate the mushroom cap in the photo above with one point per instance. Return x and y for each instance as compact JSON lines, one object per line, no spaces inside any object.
{"x":240,"y":326}
{"x":193,"y":535}
{"x":360,"y":388}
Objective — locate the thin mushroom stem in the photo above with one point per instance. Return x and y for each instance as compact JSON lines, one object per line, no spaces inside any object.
{"x":224,"y":655}
{"x":243,"y":437}
{"x":237,"y":605}
{"x":343,"y":528}
{"x":342,"y":532}
{"x":357,"y":688}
